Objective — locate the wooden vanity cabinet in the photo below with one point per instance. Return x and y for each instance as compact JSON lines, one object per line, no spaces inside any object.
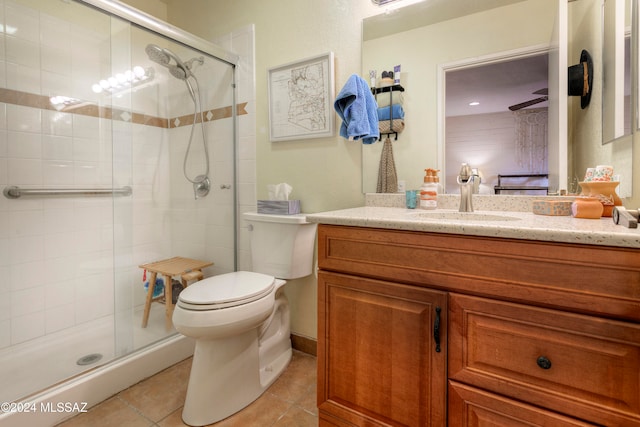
{"x":381,"y":358}
{"x":531,"y":333}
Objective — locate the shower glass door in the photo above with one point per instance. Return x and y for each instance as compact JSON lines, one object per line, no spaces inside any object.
{"x":83,"y":107}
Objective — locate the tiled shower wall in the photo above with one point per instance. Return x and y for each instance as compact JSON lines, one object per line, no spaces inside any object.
{"x":242,"y":42}
{"x":54,"y":252}
{"x":57,"y":254}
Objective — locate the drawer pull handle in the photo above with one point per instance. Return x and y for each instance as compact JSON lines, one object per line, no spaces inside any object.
{"x":543,"y":362}
{"x":436,"y":330}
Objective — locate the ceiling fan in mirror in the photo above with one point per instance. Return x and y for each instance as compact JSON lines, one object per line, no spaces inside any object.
{"x":545,"y":97}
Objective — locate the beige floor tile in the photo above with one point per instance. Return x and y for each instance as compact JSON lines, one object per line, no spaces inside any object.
{"x":160,"y":395}
{"x":110,"y":413}
{"x":265,"y":411}
{"x":297,"y":417}
{"x":290,"y":401}
{"x":301,"y":369}
{"x":288,"y":391}
{"x":173,"y":420}
{"x":308,"y":401}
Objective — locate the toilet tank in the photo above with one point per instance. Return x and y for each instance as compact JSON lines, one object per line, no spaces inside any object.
{"x":281,"y":245}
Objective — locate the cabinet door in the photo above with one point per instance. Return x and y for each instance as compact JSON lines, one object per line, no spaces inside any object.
{"x":583,"y":366}
{"x":472,"y":407}
{"x":379,"y":361}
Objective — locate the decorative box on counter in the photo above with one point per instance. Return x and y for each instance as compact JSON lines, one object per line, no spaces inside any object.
{"x":279,"y":207}
{"x":551,"y":207}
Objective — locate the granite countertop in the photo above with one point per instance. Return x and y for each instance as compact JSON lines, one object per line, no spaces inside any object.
{"x":518,"y":225}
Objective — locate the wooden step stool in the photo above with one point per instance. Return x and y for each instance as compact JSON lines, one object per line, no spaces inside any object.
{"x":188,"y":270}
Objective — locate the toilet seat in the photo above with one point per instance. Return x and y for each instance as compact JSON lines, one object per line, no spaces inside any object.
{"x":226,"y":290}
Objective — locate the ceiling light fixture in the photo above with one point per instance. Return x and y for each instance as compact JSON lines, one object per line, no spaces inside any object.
{"x":394,"y":4}
{"x":121,"y":81}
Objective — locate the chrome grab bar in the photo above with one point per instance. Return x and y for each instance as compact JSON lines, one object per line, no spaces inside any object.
{"x":13,"y":192}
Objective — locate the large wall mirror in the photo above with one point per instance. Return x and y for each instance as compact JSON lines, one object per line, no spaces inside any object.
{"x":433,"y":41}
{"x":432,"y":38}
{"x":616,"y":69}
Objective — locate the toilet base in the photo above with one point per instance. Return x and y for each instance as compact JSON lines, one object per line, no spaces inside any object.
{"x":227,"y":374}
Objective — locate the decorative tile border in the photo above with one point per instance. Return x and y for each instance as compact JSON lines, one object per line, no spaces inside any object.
{"x":209,"y":115}
{"x":90,"y":109}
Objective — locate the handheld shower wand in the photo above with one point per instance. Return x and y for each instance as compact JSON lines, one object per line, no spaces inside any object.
{"x":182,"y":71}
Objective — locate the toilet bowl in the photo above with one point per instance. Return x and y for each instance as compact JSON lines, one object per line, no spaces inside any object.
{"x":240,"y":320}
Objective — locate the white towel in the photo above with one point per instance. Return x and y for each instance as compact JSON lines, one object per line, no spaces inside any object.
{"x":384,"y":99}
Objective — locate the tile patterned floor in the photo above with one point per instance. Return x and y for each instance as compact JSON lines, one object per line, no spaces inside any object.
{"x":157,"y":401}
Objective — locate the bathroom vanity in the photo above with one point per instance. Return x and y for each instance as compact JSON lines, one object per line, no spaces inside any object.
{"x":476,"y":321}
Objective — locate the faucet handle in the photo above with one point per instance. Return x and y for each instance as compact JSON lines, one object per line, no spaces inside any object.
{"x":465,"y":172}
{"x":627,"y":218}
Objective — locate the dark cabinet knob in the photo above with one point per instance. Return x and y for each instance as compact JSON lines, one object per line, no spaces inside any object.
{"x":543,"y":362}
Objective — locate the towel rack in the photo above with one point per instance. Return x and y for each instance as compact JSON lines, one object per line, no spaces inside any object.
{"x":390,"y":89}
{"x":13,"y":192}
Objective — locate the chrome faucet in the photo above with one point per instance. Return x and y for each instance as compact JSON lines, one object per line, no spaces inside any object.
{"x":467,"y":179}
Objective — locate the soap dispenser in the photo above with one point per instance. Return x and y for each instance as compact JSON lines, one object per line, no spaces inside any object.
{"x":429,"y":190}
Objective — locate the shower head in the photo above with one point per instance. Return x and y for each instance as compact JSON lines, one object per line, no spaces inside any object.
{"x":157,"y":54}
{"x":164,"y":56}
{"x":178,"y":72}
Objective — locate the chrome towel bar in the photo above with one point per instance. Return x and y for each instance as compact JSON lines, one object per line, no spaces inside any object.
{"x":13,"y":192}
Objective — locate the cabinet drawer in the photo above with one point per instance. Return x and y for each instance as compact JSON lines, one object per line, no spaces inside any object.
{"x":472,"y":407}
{"x":531,"y":272}
{"x":579,"y":365}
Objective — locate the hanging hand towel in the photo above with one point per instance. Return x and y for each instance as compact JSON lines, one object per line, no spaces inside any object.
{"x":358,"y":110}
{"x":386,"y":113}
{"x":387,"y":177}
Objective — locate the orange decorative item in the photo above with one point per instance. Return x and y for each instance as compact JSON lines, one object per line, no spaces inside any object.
{"x":587,"y":207}
{"x":605,"y":192}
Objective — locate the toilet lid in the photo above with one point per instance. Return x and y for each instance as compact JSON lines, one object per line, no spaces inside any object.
{"x":226,"y":290}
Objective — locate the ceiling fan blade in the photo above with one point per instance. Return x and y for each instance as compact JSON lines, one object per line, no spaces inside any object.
{"x":528,"y":103}
{"x":544,"y":91}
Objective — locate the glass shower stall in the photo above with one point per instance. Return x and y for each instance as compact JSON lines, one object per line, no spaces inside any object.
{"x":117,"y":148}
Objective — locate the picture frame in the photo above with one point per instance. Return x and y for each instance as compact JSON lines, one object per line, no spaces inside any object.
{"x":301,"y":96}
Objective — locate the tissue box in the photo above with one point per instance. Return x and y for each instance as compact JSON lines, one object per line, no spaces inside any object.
{"x":279,"y":207}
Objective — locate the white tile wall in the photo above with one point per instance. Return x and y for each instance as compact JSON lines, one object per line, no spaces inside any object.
{"x":242,"y":42}
{"x":56,"y":253}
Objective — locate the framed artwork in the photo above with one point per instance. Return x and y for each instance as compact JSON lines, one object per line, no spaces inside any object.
{"x":301,"y":96}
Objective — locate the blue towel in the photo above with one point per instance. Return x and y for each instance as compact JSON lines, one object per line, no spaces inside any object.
{"x":395,"y":110}
{"x":358,"y":110}
{"x":158,"y":288}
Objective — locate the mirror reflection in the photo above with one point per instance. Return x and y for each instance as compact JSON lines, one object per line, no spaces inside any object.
{"x":496,"y":119}
{"x":616,"y":69}
{"x":449,"y":37}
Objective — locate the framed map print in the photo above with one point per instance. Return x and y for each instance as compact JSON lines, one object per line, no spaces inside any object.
{"x":301,"y":96}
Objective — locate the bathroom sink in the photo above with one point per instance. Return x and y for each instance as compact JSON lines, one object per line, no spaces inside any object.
{"x":462,"y":216}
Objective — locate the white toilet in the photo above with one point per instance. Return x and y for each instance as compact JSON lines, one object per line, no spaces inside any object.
{"x":240,"y":320}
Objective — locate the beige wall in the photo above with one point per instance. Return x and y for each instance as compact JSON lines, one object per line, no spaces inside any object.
{"x":325,"y":173}
{"x":585,"y":126}
{"x":157,"y":8}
